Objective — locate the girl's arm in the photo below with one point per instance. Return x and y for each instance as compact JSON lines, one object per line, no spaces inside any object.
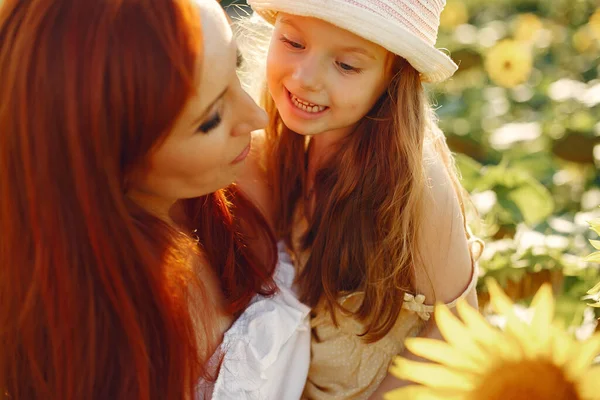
{"x":446,"y":267}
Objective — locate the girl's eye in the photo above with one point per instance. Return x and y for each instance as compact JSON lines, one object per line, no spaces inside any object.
{"x":348,"y":68}
{"x":211,"y":124}
{"x":292,"y":44}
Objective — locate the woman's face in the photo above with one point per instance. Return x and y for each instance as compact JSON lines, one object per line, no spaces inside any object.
{"x":209,"y":142}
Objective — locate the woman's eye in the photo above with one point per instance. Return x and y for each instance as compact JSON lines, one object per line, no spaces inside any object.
{"x":211,"y":124}
{"x":291,"y":43}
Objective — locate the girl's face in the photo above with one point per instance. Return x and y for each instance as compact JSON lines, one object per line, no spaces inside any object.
{"x":206,"y":148}
{"x":321,"y":77}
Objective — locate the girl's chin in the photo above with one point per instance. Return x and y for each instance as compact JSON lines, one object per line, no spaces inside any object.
{"x":301,"y":128}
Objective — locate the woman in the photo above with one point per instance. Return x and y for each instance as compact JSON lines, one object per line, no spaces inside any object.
{"x":122,"y":262}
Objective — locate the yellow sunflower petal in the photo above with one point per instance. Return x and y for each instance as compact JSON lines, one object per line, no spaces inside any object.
{"x":514,"y":326}
{"x":432,"y":375}
{"x":442,"y":353}
{"x":543,"y":306}
{"x":595,"y":289}
{"x":589,"y":383}
{"x":595,"y":223}
{"x":583,"y":356}
{"x":415,"y":392}
{"x":594,"y":257}
{"x":562,"y":345}
{"x":490,"y":337}
{"x":499,"y":300}
{"x":456,"y":334}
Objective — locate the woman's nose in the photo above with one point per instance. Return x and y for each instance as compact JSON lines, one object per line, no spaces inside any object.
{"x":253,"y":117}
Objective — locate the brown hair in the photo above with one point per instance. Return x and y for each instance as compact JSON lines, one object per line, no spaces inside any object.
{"x":363,"y":232}
{"x":98,"y":299}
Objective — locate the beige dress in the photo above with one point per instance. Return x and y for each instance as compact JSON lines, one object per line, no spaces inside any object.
{"x":342,"y":365}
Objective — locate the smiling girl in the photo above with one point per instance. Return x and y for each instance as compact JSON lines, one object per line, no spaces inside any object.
{"x":364,"y":188}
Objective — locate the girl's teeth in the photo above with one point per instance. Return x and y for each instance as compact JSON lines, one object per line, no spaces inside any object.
{"x":305,"y":106}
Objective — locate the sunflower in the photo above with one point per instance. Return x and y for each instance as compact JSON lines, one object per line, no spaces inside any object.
{"x":536,"y":361}
{"x":455,"y":13}
{"x":509,"y":63}
{"x":584,"y":40}
{"x":594,"y":24}
{"x":528,"y":27}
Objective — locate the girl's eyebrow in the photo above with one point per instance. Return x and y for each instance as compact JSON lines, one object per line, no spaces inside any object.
{"x":359,"y":50}
{"x":287,"y":21}
{"x":353,"y":49}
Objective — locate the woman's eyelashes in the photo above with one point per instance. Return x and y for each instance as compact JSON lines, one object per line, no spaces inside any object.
{"x":211,"y":124}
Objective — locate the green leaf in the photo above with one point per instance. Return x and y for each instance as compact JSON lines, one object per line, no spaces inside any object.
{"x":538,"y":164}
{"x":470,"y":171}
{"x":510,"y":212}
{"x":534,"y":201}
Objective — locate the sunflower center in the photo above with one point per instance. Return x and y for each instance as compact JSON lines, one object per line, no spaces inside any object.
{"x":526,"y":380}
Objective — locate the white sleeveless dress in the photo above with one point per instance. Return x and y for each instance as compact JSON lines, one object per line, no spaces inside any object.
{"x":267,"y":349}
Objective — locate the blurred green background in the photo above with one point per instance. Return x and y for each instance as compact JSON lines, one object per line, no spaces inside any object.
{"x":522,"y":115}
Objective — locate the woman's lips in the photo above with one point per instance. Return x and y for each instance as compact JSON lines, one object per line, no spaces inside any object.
{"x":242,"y":156}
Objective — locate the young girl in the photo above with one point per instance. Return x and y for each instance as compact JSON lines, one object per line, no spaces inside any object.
{"x":365,"y":191}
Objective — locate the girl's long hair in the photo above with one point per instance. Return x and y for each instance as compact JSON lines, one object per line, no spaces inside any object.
{"x":99,"y":299}
{"x":362,"y":235}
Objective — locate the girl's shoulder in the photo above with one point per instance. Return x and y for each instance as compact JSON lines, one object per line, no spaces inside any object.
{"x":444,"y":266}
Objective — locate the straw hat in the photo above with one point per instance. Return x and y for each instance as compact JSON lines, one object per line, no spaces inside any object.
{"x":405,"y":27}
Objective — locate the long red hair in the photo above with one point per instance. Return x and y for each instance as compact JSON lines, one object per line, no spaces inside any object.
{"x":97,"y":297}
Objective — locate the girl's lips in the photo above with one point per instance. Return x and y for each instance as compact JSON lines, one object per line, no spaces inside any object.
{"x":242,"y":156}
{"x":301,"y":113}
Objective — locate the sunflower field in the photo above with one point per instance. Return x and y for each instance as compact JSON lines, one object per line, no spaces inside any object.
{"x":522,"y":114}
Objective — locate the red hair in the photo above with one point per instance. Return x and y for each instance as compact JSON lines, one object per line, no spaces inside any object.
{"x":97,"y":298}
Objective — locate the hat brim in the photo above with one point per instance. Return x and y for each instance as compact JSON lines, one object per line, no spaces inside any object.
{"x":433,"y":64}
